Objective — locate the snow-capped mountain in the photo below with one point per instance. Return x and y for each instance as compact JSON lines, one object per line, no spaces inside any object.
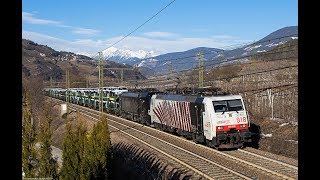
{"x":213,"y":56}
{"x":149,"y":63}
{"x":125,"y":56}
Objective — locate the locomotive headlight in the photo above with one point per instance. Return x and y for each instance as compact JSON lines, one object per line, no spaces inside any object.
{"x":242,"y":125}
{"x":220,"y":127}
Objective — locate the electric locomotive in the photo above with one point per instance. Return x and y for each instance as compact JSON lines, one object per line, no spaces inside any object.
{"x":219,"y":121}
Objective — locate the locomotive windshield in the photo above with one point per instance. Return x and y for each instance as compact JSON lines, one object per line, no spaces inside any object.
{"x":228,"y":105}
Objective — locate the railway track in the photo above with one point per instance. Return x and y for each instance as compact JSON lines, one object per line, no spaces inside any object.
{"x":267,"y":163}
{"x":205,"y":161}
{"x":192,"y":161}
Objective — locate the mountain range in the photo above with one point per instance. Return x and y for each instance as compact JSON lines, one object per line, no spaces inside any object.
{"x":125,"y":56}
{"x":43,"y":62}
{"x":148,"y":63}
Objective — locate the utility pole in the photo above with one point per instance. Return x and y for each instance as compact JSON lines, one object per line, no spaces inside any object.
{"x":67,"y":85}
{"x":100,"y":83}
{"x":201,"y":69}
{"x":67,"y":92}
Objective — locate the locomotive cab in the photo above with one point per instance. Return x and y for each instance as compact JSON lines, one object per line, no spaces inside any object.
{"x":226,"y":122}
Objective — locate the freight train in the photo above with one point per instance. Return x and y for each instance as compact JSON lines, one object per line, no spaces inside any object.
{"x":218,"y":121}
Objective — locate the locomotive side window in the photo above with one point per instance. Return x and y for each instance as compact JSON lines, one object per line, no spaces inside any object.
{"x":235,"y":105}
{"x":228,"y":105}
{"x":220,"y":106}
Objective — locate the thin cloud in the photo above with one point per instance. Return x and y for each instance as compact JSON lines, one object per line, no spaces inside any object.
{"x":85,"y":31}
{"x":86,"y":48}
{"x":29,"y":18}
{"x":64,"y":26}
{"x":134,"y":43}
{"x":158,"y":34}
{"x":161,"y":46}
{"x":34,"y":36}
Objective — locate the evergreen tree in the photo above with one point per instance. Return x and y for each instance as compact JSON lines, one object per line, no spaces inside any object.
{"x":97,"y":150}
{"x":47,"y":164}
{"x":29,"y":161}
{"x":73,"y":152}
{"x":80,"y":146}
{"x":85,"y":155}
{"x":67,"y":170}
{"x":104,"y":145}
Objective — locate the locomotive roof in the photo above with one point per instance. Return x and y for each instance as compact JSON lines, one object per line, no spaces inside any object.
{"x":178,"y":97}
{"x":226,"y":97}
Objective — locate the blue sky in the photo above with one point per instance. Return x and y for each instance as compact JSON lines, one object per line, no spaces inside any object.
{"x":87,"y":27}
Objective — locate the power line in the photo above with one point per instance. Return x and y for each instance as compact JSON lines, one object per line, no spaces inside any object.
{"x":265,"y":88}
{"x":288,"y":85}
{"x":138,"y":26}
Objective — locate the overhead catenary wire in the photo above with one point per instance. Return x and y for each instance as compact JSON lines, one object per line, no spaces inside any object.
{"x":290,"y":86}
{"x":265,"y":88}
